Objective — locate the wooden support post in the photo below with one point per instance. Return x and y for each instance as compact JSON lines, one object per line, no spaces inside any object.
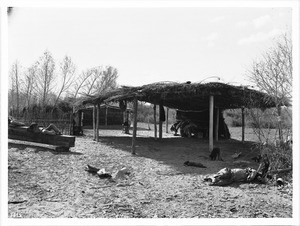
{"x":217,"y":124}
{"x":135,"y":106}
{"x":211,"y":122}
{"x":160,"y":122}
{"x":71,"y":129}
{"x":167,"y":123}
{"x":106,"y":113}
{"x":154,"y":119}
{"x":243,"y":125}
{"x":97,"y":122}
{"x":94,"y":121}
{"x":82,"y":115}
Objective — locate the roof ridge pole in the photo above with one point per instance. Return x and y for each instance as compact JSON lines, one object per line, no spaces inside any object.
{"x":135,"y":106}
{"x":97,"y":122}
{"x":154,"y":119}
{"x":211,"y":122}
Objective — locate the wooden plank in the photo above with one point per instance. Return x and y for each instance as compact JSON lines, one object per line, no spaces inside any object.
{"x":135,"y":106}
{"x":21,"y":133}
{"x":211,"y":122}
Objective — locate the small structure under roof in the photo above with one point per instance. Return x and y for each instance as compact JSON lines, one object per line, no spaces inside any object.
{"x":189,"y":97}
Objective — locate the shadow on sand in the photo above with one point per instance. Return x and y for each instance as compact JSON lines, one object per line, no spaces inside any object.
{"x":174,"y":151}
{"x":39,"y":147}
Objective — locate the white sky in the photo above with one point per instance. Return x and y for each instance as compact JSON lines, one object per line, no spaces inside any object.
{"x":149,"y":44}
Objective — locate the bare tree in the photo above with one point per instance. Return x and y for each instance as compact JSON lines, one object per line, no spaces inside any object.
{"x":67,"y":68}
{"x":15,"y":77}
{"x":90,"y":85}
{"x":81,"y":82}
{"x":45,"y":76}
{"x":30,"y":84}
{"x":107,"y":81}
{"x":273,"y":74}
{"x":96,"y":80}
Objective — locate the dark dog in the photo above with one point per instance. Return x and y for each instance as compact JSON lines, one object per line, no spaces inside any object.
{"x":196,"y":164}
{"x":215,"y":154}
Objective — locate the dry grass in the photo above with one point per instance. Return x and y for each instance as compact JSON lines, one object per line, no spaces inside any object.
{"x":51,"y":185}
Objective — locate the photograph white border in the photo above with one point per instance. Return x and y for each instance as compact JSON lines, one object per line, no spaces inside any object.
{"x":145,"y":3}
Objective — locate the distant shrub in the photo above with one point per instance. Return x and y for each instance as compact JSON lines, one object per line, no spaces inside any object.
{"x":258,"y":118}
{"x":146,"y":112}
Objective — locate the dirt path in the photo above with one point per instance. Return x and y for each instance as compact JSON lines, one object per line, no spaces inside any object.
{"x":44,"y":183}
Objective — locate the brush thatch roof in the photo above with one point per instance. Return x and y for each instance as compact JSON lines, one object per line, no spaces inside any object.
{"x":189,"y":96}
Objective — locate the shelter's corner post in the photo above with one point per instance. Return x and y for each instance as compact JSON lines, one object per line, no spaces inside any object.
{"x":217,"y":124}
{"x":243,"y":125}
{"x":161,"y":113}
{"x":97,"y":122}
{"x":167,"y":121}
{"x":126,"y":120}
{"x":154,"y":119}
{"x":211,"y":122}
{"x":135,"y":108}
{"x":94,"y":122}
{"x":81,"y":121}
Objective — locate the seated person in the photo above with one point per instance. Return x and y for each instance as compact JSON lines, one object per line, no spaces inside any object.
{"x":50,"y":130}
{"x":14,"y":123}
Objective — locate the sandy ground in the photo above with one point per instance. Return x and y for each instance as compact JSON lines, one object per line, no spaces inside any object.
{"x":49,"y":184}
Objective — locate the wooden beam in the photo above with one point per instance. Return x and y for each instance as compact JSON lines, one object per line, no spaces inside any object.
{"x":97,"y":122}
{"x":94,"y":122}
{"x":154,"y":119}
{"x":160,"y":122}
{"x":243,"y":125}
{"x":167,"y":123}
{"x":211,"y":122}
{"x":135,"y":106}
{"x":21,"y":133}
{"x":217,"y":124}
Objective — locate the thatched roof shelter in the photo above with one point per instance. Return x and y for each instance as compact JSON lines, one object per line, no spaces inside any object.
{"x":184,"y":96}
{"x":189,"y":96}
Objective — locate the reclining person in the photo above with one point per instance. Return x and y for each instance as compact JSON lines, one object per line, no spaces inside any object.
{"x":14,"y":123}
{"x":50,"y":130}
{"x":227,"y":176}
